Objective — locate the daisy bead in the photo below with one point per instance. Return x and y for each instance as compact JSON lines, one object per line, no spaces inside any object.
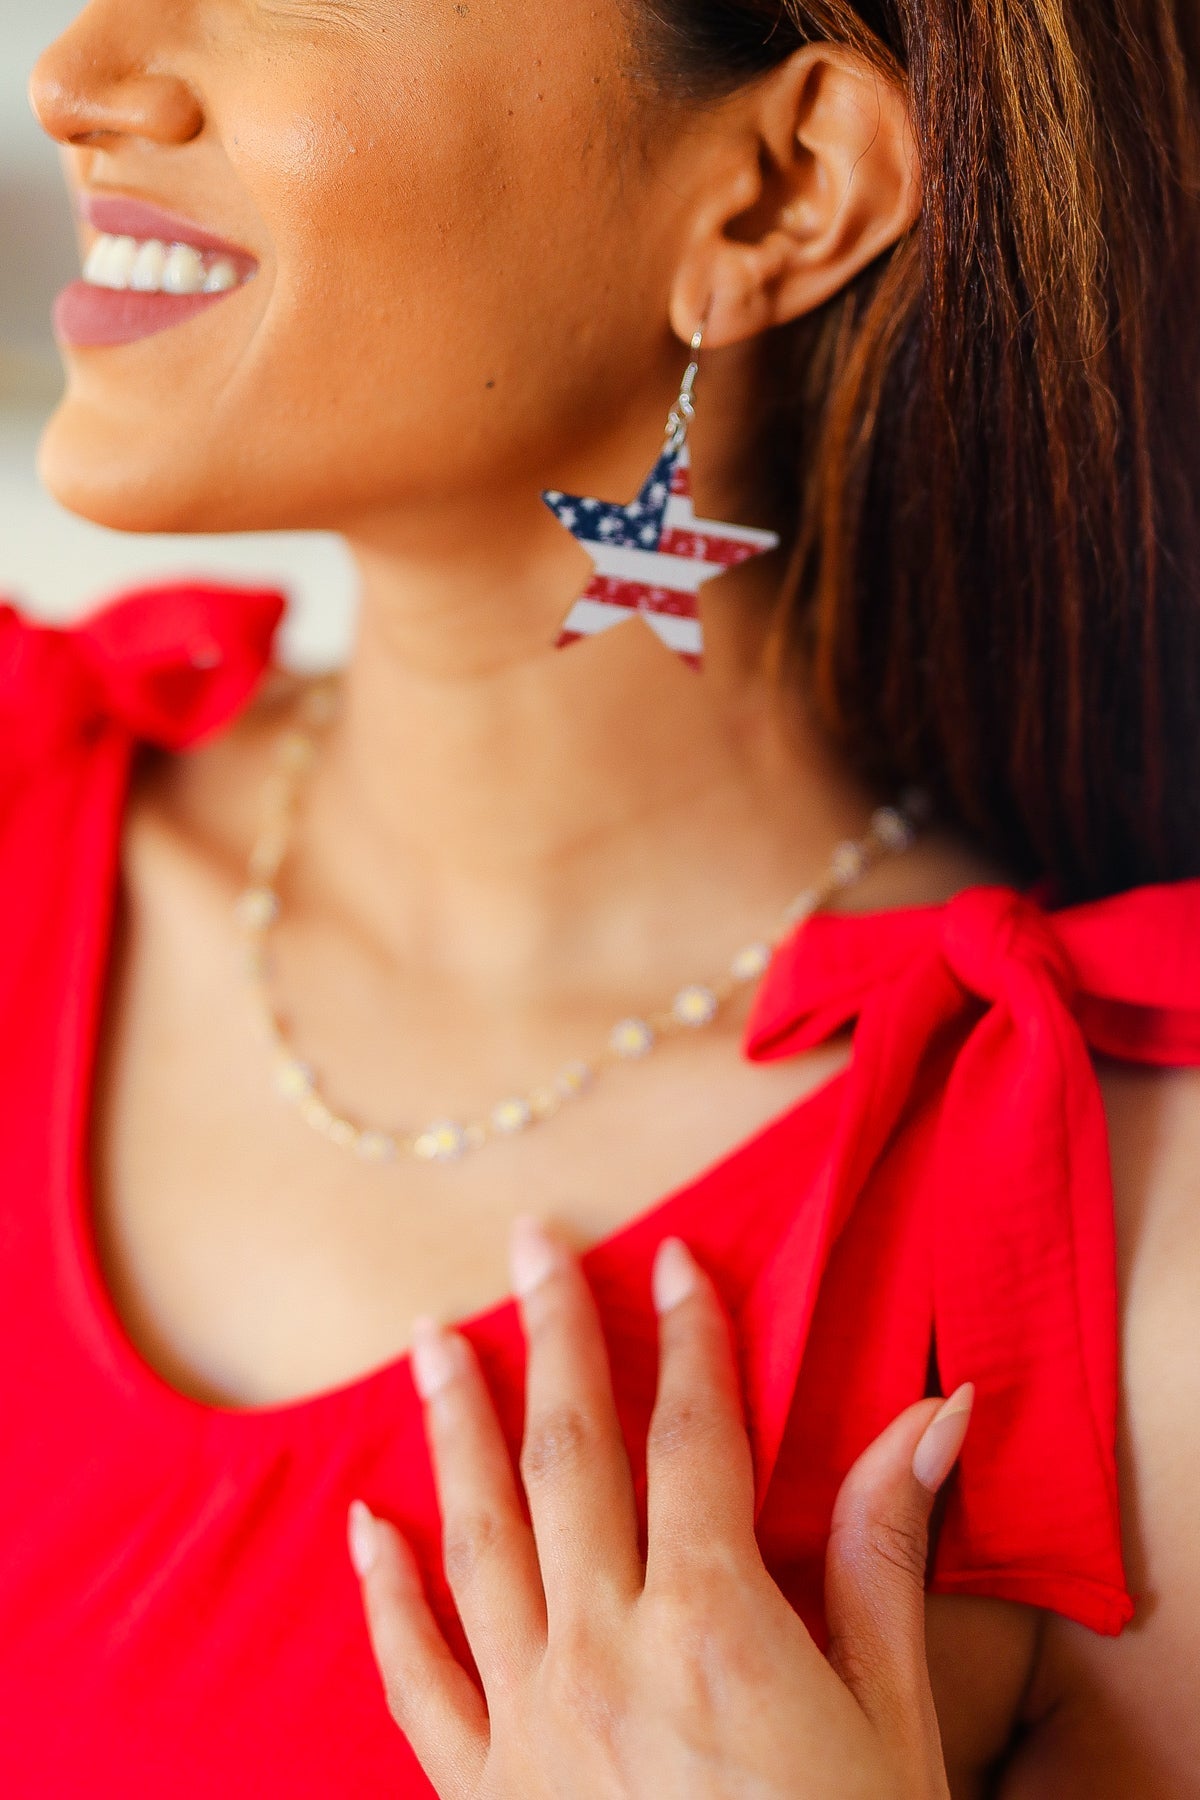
{"x":376,"y":1147}
{"x":751,"y":962}
{"x":695,"y":1006}
{"x":573,"y":1079}
{"x":847,"y":863}
{"x":512,"y":1116}
{"x":443,"y":1142}
{"x":802,"y":907}
{"x":892,"y":828}
{"x":632,"y":1038}
{"x":294,"y":1079}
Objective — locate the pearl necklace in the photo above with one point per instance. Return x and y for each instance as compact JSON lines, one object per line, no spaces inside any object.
{"x":891,"y":830}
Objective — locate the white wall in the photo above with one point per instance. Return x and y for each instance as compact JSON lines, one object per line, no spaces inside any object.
{"x":51,"y":563}
{"x":36,"y":248}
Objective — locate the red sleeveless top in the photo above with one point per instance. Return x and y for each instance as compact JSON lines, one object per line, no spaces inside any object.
{"x":177,"y":1610}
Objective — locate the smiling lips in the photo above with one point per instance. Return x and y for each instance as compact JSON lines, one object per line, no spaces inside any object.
{"x":146,"y":271}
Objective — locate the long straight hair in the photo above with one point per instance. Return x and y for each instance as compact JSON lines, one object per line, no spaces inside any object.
{"x":985,"y":451}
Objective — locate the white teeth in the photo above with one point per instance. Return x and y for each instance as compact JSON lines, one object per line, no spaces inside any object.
{"x":153,"y":267}
{"x":146,"y":276}
{"x":221,"y":277}
{"x":97,"y":258}
{"x":110,"y":262}
{"x":184,"y":273}
{"x":121,"y":259}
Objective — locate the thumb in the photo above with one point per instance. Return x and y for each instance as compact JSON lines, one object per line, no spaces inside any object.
{"x":875,"y":1567}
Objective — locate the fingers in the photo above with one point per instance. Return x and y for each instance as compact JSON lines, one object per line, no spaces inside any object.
{"x":487,"y":1546}
{"x":701,"y":1478}
{"x":430,"y":1695}
{"x":875,"y":1566}
{"x":573,"y":1459}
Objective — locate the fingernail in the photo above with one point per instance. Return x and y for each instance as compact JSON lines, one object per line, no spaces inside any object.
{"x":535,"y":1256}
{"x":364,"y":1538}
{"x":434,"y":1358}
{"x":674,"y":1277}
{"x":937,"y":1452}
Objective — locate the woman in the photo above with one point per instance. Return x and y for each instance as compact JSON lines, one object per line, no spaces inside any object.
{"x":400,"y":272}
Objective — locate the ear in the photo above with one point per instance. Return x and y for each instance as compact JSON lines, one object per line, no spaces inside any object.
{"x":815,"y":175}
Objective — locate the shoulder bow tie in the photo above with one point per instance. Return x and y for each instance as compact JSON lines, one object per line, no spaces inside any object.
{"x":993,"y":1007}
{"x":168,"y":665}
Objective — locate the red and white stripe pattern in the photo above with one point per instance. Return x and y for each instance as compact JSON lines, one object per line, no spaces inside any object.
{"x":652,"y":557}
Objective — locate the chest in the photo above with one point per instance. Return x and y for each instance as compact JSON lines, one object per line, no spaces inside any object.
{"x":251,"y":1263}
{"x":250,"y":1260}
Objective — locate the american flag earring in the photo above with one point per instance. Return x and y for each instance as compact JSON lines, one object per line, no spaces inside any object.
{"x":653,"y":556}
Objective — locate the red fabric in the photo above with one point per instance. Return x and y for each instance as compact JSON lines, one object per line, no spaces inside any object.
{"x":179,"y":1615}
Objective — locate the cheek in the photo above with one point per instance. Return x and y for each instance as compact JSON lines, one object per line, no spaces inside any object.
{"x":451,"y":254}
{"x":452,"y":282}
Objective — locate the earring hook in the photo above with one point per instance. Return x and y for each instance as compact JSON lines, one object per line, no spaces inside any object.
{"x":684,"y":409}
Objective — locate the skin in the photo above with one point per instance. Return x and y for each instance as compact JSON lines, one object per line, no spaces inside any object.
{"x":506,"y":849}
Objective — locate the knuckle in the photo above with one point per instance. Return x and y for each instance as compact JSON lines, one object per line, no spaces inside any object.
{"x":571,"y":1665}
{"x":577,"y":1689}
{"x":864,"y":1536}
{"x":404,"y":1686}
{"x":552,"y":1309}
{"x":681,"y":1423}
{"x":557,"y":1442}
{"x":468,"y":1539}
{"x":700,"y":1649}
{"x":593,"y":1720}
{"x":412,"y":1704}
{"x":693,"y":1574}
{"x":714,"y":1639}
{"x":899,"y":1543}
{"x":679,"y":1607}
{"x":689,"y":1601}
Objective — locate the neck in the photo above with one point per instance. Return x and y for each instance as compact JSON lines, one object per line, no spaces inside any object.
{"x":495,"y":806}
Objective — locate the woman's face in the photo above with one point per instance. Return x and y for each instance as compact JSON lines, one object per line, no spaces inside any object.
{"x":459,"y":233}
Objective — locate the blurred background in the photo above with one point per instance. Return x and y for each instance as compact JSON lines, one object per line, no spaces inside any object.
{"x":50,"y":563}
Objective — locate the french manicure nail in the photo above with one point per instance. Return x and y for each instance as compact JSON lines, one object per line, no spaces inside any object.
{"x":937,"y":1452}
{"x":364,"y":1538}
{"x":674,"y":1277}
{"x":434,"y":1358}
{"x":534,"y":1257}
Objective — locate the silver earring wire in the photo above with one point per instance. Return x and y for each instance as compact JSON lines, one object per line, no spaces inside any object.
{"x":684,"y":409}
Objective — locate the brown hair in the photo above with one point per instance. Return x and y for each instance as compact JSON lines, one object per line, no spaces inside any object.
{"x":988,"y":445}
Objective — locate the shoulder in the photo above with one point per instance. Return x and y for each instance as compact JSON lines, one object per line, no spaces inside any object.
{"x":1154,"y":1127}
{"x":1129,"y":1701}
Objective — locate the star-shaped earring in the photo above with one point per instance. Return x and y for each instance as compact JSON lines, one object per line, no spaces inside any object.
{"x":652,"y":557}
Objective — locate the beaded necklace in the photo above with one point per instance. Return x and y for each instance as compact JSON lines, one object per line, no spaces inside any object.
{"x":892,"y":829}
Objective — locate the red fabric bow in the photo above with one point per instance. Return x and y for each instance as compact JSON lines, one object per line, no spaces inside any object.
{"x":1011,"y":1000}
{"x":169,"y":664}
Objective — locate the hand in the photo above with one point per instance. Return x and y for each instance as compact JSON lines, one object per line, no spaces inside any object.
{"x":689,"y":1676}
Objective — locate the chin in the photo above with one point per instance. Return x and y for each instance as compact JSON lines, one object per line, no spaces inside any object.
{"x":137,"y":482}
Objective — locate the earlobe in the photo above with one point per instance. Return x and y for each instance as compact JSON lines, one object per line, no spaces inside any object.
{"x":830,"y":180}
{"x":740,"y":297}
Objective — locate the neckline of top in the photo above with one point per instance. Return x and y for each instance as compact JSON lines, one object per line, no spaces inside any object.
{"x":218,"y":643}
{"x":73,"y":1191}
